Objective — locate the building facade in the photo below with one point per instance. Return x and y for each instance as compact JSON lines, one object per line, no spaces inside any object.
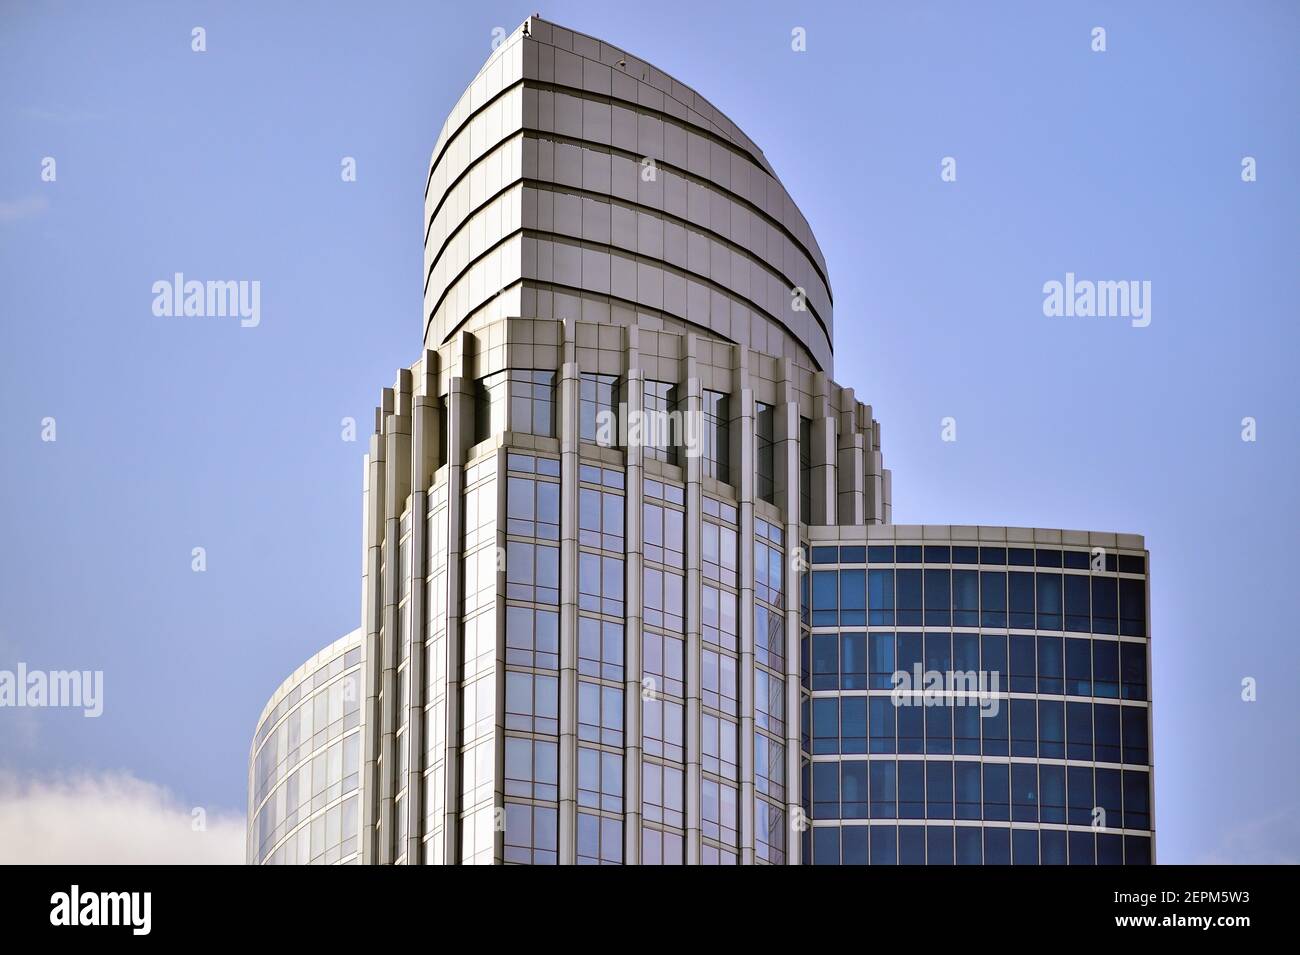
{"x":606,"y":507}
{"x":304,"y":767}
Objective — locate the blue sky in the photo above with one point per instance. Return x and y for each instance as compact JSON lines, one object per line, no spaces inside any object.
{"x":173,"y":434}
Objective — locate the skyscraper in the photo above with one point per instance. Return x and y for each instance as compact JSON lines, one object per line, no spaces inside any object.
{"x":631,"y":588}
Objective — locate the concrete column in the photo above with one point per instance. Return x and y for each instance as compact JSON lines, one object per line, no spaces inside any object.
{"x":851,"y":470}
{"x":634,"y":405}
{"x":693,"y":415}
{"x":788,"y":477}
{"x":371,"y":619}
{"x":460,"y":433}
{"x":568,"y":421}
{"x":824,"y":441}
{"x":743,"y":478}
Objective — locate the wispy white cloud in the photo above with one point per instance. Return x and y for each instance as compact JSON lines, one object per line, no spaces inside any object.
{"x":109,"y":818}
{"x":11,"y":210}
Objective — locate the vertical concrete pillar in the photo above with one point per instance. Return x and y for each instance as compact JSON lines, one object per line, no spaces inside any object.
{"x":460,"y":433}
{"x":633,"y":423}
{"x":693,"y":412}
{"x":743,"y":478}
{"x":568,"y":421}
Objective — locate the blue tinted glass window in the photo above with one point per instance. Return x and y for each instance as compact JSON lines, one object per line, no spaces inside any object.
{"x":965,"y":652}
{"x":965,"y":555}
{"x":825,"y":555}
{"x":825,"y":598}
{"x":1077,"y":559}
{"x":880,"y":597}
{"x":853,"y":790}
{"x":1024,"y":792}
{"x":853,"y":724}
{"x":1137,"y":800}
{"x":853,"y":661}
{"x":966,"y":728}
{"x":826,"y":790}
{"x":1135,"y":734}
{"x":1132,"y":608}
{"x":938,"y":842}
{"x":1133,"y":670}
{"x":969,"y":848}
{"x":884,"y":789}
{"x":853,"y":598}
{"x":1020,"y":591}
{"x":938,"y":789}
{"x":938,"y":728}
{"x":1105,"y":718}
{"x":993,"y":555}
{"x":879,"y":554}
{"x":1137,"y":850}
{"x":855,"y":845}
{"x":911,"y":789}
{"x":994,"y":653}
{"x":938,"y":599}
{"x":1083,"y":848}
{"x":966,"y":787}
{"x":1105,"y":669}
{"x":936,"y":554}
{"x":965,"y":598}
{"x":997,"y":791}
{"x":1051,"y":729}
{"x":1049,"y":558}
{"x":1132,"y":564}
{"x":1105,"y":605}
{"x":911,"y":845}
{"x":1076,"y":603}
{"x":1078,"y":730}
{"x":997,"y":846}
{"x":826,"y":726}
{"x":826,"y":649}
{"x":1110,"y":849}
{"x":1051,"y":782}
{"x":884,"y":845}
{"x":826,"y":845}
{"x":1053,"y":846}
{"x":882,"y":660}
{"x":1024,"y":845}
{"x":938,"y":652}
{"x":1023,"y":670}
{"x":909,"y":597}
{"x":1024,"y":728}
{"x":1020,"y":557}
{"x":994,"y":724}
{"x":911,"y":727}
{"x":993,"y":594}
{"x":853,"y":555}
{"x":1082,"y":799}
{"x":908,"y":554}
{"x":882,"y":725}
{"x":1049,"y":601}
{"x":1051,"y":665}
{"x":1078,"y":667}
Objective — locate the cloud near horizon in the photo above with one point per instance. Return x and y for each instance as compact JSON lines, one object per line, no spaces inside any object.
{"x":109,"y":818}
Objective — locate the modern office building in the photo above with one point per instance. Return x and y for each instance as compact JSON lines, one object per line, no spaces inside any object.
{"x":631,"y":588}
{"x":304,"y":767}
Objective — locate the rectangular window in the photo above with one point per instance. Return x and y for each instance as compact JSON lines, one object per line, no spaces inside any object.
{"x":715,"y":437}
{"x":532,"y":402}
{"x":805,"y":470}
{"x":657,"y":433}
{"x":598,"y":409}
{"x":765,"y":451}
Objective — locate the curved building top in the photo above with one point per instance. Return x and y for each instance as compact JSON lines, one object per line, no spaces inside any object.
{"x":573,"y":179}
